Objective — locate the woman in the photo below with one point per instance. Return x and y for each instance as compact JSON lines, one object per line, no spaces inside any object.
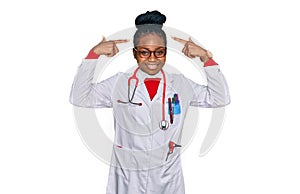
{"x":149,"y":108}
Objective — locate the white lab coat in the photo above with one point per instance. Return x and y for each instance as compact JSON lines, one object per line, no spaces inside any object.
{"x":138,"y":163}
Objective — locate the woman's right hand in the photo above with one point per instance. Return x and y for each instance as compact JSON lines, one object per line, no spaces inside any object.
{"x":108,"y":47}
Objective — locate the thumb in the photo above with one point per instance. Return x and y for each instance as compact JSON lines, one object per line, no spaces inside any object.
{"x":190,"y":39}
{"x":103,"y":39}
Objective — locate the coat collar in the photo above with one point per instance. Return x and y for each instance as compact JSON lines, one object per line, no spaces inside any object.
{"x":142,"y":75}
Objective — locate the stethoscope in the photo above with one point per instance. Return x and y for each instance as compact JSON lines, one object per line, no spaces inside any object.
{"x":163,"y":124}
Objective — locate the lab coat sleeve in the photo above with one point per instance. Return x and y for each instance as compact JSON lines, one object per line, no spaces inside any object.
{"x":215,"y":94}
{"x":85,"y":93}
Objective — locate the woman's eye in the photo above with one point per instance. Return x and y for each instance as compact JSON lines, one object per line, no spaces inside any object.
{"x":159,"y":52}
{"x":145,"y":53}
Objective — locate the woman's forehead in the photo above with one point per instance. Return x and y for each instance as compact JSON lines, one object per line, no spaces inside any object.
{"x":151,"y":47}
{"x":151,"y":41}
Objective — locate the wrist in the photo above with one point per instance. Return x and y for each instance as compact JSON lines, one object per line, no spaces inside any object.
{"x":97,"y":50}
{"x":206,"y":57}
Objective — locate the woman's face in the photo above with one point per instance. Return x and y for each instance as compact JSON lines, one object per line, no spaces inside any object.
{"x":150,"y":53}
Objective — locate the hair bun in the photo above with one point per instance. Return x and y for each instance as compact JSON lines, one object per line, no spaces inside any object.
{"x":150,"y":17}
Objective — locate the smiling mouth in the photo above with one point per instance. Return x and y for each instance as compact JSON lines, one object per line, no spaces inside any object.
{"x":157,"y":64}
{"x":153,"y":63}
{"x":153,"y":66}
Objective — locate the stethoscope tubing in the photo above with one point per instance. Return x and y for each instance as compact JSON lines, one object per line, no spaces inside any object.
{"x":134,"y":77}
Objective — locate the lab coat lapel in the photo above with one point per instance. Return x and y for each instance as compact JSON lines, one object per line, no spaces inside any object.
{"x":169,"y":81}
{"x":142,"y":75}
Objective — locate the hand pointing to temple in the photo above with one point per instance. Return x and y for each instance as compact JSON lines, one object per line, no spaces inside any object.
{"x":193,"y":50}
{"x":108,"y":47}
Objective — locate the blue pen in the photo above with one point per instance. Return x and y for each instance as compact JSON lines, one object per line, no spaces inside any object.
{"x":176,"y":105}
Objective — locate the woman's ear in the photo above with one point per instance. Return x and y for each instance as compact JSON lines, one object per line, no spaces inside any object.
{"x":134,"y":53}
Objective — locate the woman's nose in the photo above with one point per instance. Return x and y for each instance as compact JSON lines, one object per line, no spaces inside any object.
{"x":152,"y":57}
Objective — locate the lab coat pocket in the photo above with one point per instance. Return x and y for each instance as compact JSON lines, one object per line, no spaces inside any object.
{"x":174,"y":109}
{"x":121,"y":158}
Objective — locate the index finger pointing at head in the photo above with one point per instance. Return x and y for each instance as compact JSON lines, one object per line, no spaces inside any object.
{"x":180,"y":40}
{"x":120,"y":41}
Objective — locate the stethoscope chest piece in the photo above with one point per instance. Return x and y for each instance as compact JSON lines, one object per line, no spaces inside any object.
{"x":164,"y":125}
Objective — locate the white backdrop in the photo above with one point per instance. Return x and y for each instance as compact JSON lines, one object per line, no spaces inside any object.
{"x":255,"y":42}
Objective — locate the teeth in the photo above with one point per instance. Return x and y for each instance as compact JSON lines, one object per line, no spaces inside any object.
{"x":152,"y":66}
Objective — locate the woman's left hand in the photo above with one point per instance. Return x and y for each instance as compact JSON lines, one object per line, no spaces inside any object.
{"x":193,"y":50}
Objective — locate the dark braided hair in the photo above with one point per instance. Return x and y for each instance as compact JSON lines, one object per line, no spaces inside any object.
{"x":149,"y":23}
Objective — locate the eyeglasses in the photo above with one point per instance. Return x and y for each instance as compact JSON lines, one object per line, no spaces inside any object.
{"x":146,"y":53}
